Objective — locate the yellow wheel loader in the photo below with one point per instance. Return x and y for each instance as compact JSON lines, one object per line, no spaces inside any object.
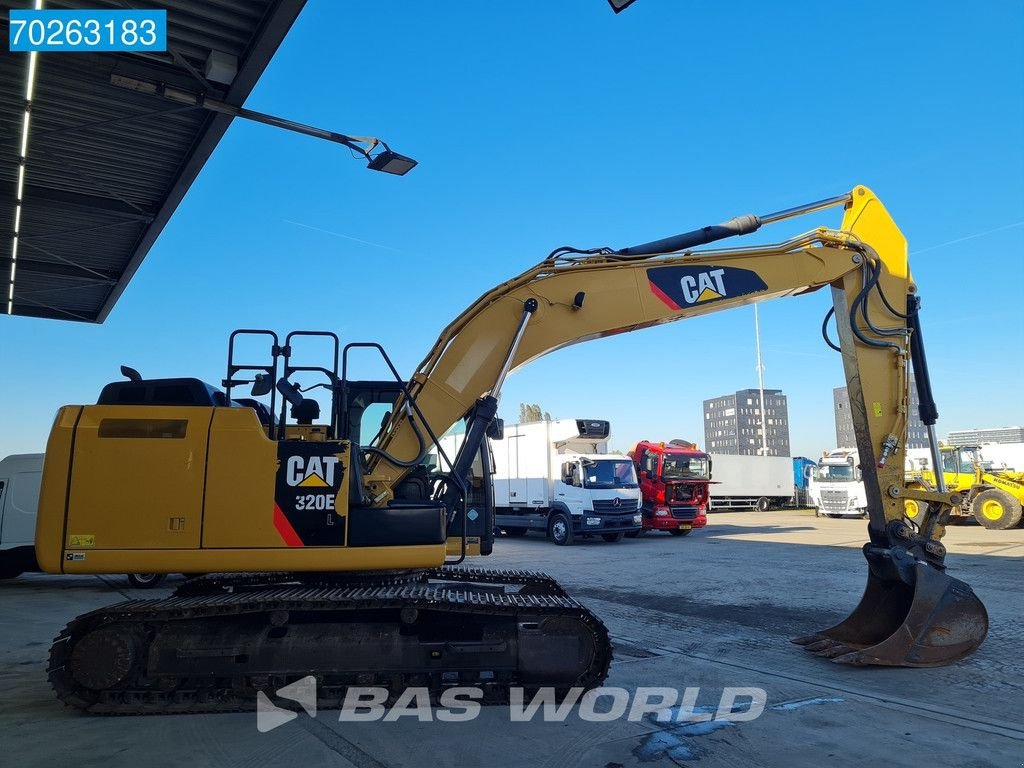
{"x":334,"y":547}
{"x":995,"y":499}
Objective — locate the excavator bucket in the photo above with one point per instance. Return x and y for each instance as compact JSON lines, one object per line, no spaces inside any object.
{"x":911,"y":615}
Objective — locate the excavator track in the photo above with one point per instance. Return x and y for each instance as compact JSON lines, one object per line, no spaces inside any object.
{"x":223,"y":638}
{"x":532,"y":582}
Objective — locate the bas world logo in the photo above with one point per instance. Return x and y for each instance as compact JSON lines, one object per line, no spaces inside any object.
{"x":269,"y":716}
{"x":461,"y":704}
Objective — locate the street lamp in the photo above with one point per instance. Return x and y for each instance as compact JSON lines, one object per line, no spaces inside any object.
{"x":387,"y":160}
{"x":760,"y":384}
{"x":390,"y":161}
{"x":620,"y":5}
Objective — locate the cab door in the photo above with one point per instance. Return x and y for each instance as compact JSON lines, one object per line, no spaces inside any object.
{"x":647,"y":466}
{"x":569,"y":487}
{"x":951,"y":470}
{"x":137,"y":477}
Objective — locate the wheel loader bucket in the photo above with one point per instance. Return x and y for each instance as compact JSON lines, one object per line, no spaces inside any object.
{"x":911,"y":615}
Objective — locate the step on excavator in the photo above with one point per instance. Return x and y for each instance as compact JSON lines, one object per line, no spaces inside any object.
{"x":336,"y":548}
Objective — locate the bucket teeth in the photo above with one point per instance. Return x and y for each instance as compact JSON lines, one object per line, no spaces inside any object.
{"x":855,"y":659}
{"x":819,"y":645}
{"x":834,"y":649}
{"x":808,"y":639}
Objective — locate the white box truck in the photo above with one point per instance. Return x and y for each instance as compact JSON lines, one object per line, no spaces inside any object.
{"x":557,"y":477}
{"x":836,"y":488}
{"x":750,"y":482}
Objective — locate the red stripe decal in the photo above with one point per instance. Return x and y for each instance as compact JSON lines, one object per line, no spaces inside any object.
{"x":291,"y":538}
{"x":663,"y":296}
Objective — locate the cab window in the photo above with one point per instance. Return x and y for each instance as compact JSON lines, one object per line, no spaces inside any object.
{"x":571,"y":474}
{"x":370,"y":424}
{"x":950,"y":462}
{"x":650,"y":464}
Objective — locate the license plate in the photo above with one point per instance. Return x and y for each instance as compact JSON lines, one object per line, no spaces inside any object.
{"x":685,"y":526}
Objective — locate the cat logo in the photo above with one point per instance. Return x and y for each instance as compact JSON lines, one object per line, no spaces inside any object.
{"x":311,"y":472}
{"x":703,"y":286}
{"x":308,"y":484}
{"x":684,"y":287}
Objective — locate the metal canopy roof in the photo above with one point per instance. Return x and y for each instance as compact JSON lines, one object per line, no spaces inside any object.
{"x":106,"y":167}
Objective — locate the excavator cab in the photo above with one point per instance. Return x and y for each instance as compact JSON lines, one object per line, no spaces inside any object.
{"x":359,"y":413}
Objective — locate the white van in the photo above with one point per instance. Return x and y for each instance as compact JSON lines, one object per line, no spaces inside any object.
{"x":20,"y":476}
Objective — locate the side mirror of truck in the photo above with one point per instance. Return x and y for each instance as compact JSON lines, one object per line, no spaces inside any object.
{"x":643,"y":474}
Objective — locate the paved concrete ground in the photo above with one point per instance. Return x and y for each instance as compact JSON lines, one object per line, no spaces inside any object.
{"x":712,"y":610}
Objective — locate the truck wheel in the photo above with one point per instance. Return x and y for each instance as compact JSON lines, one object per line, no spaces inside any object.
{"x":678,"y":532}
{"x":762,"y":504}
{"x":515,"y":533}
{"x":996,"y":509}
{"x":611,"y":538}
{"x":560,"y":529}
{"x":145,"y":580}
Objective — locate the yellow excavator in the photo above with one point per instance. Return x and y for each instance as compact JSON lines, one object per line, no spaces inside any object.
{"x":329,"y":544}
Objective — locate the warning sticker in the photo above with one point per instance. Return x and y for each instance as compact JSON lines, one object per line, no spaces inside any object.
{"x":81,"y":540}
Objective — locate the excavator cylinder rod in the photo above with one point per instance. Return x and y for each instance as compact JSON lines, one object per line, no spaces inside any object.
{"x":911,"y":615}
{"x":738,"y":225}
{"x":215,"y":647}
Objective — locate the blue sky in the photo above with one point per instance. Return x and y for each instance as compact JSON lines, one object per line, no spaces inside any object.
{"x":540,"y":124}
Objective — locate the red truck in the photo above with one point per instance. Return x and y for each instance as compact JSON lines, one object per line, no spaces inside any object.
{"x":674,"y":479}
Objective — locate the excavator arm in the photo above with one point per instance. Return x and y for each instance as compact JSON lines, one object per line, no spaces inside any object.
{"x":912,"y":613}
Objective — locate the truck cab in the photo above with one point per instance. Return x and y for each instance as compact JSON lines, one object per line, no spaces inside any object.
{"x":674,"y":479}
{"x":836,"y":488}
{"x":596,"y":483}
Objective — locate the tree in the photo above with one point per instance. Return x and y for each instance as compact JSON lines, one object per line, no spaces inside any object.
{"x":530,"y":412}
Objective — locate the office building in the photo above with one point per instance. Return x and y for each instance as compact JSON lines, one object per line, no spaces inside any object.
{"x":732,"y":423}
{"x":982,"y":436}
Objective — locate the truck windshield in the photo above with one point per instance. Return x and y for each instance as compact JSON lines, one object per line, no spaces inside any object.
{"x":608,"y":473}
{"x":834,"y":473}
{"x":684,"y":467}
